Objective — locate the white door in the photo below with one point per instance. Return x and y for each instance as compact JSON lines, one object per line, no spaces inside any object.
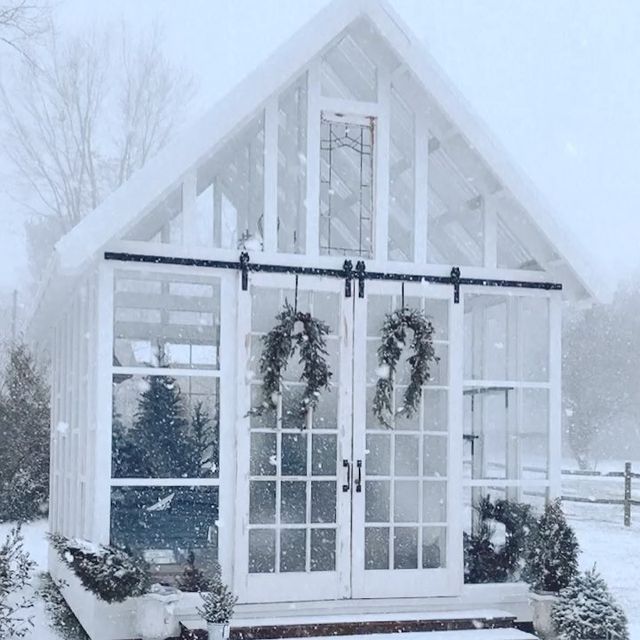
{"x":294,"y":514}
{"x":406,"y":520}
{"x":343,"y":507}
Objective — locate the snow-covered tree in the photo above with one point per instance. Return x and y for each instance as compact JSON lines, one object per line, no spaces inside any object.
{"x":15,"y":572}
{"x":586,"y":609}
{"x":24,"y":437}
{"x":552,"y":551}
{"x":80,"y":118}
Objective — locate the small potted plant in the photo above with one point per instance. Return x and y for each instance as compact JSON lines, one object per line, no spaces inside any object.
{"x":551,"y":563}
{"x":217,"y":607}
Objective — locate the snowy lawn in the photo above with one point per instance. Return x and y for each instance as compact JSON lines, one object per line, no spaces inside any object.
{"x":603,"y":539}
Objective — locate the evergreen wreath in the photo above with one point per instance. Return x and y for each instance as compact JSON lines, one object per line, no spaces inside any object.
{"x":486,"y":562}
{"x":294,"y":330}
{"x":394,"y":335}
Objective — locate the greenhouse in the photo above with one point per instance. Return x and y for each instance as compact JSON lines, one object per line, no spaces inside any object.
{"x":342,"y":187}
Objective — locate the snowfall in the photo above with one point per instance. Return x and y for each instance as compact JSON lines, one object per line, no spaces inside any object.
{"x":604,"y":541}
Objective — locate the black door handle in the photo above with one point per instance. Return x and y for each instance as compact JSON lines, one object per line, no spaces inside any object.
{"x":347,"y":464}
{"x":359,"y":478}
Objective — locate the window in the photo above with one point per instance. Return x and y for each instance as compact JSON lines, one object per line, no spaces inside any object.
{"x":401,"y":181}
{"x":165,"y":453}
{"x":346,"y":186}
{"x":230,"y":191}
{"x":506,"y":393}
{"x":292,"y":168}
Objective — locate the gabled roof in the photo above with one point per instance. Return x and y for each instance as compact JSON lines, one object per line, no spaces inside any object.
{"x":122,"y":209}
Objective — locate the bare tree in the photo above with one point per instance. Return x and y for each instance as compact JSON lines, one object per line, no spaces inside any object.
{"x":91,"y":112}
{"x":21,"y":21}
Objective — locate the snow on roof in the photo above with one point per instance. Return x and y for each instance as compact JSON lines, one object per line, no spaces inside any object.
{"x":120,"y":211}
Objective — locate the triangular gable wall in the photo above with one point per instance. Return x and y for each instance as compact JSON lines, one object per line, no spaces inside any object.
{"x":467,"y":172}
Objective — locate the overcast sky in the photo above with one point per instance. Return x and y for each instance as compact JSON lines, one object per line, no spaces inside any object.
{"x":557,"y":81}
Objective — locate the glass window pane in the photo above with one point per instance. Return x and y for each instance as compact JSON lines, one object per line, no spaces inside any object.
{"x":434,"y":541}
{"x":262,"y":502}
{"x":533,"y":436}
{"x":378,"y":459}
{"x":263,"y":454}
{"x":323,"y":502}
{"x":165,"y":427}
{"x":292,"y":166}
{"x":377,"y":500}
{"x":348,"y":72}
{"x":163,"y":320}
{"x":324,"y":455}
{"x":293,"y":502}
{"x":293,"y":550}
{"x":406,"y":501}
{"x":436,"y":409}
{"x":401,"y":180}
{"x":434,"y":501}
{"x":262,"y":551}
{"x":455,"y":212}
{"x":407,"y":455}
{"x":165,"y":524}
{"x":236,"y":176}
{"x":323,"y":549}
{"x":294,"y":454}
{"x":376,"y":548}
{"x":435,"y":456}
{"x":405,"y":548}
{"x":533,"y":331}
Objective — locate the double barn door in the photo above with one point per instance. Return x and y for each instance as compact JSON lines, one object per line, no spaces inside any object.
{"x":342,"y":507}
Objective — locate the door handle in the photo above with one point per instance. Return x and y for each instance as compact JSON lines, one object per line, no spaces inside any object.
{"x":359,"y":478}
{"x":347,"y":486}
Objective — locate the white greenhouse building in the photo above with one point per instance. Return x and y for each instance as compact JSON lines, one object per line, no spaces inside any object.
{"x":347,"y":178}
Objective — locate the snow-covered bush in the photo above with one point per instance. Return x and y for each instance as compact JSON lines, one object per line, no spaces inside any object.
{"x":110,"y":573}
{"x":218,"y":602}
{"x":552,"y":553}
{"x":586,"y":609}
{"x":15,"y":572}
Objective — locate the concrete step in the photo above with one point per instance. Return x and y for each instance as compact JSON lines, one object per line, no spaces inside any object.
{"x":371,"y":625}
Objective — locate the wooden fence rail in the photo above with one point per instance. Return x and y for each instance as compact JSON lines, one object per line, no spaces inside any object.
{"x":626,"y":502}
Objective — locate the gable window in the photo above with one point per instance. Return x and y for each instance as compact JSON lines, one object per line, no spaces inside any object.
{"x":346,"y":185}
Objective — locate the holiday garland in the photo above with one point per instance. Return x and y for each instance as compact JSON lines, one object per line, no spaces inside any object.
{"x":294,"y":330}
{"x":394,"y":336}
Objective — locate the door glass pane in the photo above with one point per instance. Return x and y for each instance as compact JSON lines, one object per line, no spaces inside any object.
{"x":293,"y":550}
{"x":378,"y":461}
{"x":262,"y":502}
{"x":323,"y":502}
{"x":294,"y":454}
{"x":406,"y":501}
{"x":407,"y":455}
{"x":434,"y":501}
{"x":262,"y":550}
{"x":324,"y":455}
{"x":405,"y":548}
{"x":376,"y":548}
{"x":434,"y":547}
{"x":293,"y":502}
{"x":323,"y":549}
{"x":377,"y":501}
{"x":263,"y":454}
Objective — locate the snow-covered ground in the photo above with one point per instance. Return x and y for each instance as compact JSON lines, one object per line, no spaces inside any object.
{"x":603,"y":539}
